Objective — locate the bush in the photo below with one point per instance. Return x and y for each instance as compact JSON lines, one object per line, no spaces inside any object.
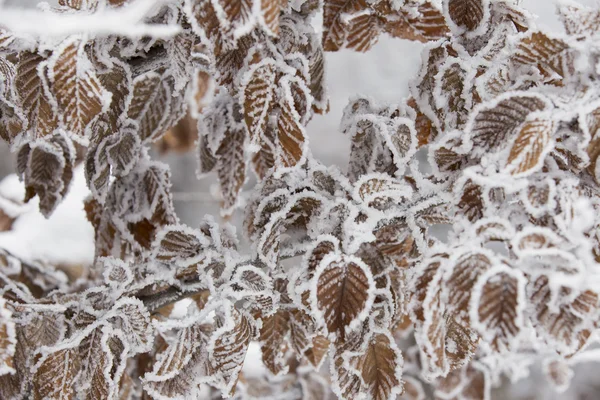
{"x":460,"y":244}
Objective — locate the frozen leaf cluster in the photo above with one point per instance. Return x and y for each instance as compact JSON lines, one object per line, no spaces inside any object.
{"x":459,"y":245}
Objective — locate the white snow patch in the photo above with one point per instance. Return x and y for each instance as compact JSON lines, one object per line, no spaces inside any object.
{"x":67,"y":237}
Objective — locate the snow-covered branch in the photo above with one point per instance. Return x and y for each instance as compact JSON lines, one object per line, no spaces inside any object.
{"x":125,"y":21}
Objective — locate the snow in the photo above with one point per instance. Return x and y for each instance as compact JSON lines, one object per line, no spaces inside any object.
{"x":124,"y":21}
{"x":65,"y":238}
{"x":383,"y":73}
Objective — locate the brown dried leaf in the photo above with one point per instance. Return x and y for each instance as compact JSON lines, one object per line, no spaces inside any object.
{"x":467,"y":14}
{"x":177,"y":243}
{"x":531,"y":144}
{"x":47,"y":169}
{"x":79,"y":4}
{"x":427,"y":24}
{"x":499,"y":315}
{"x":376,"y":368}
{"x":272,"y":341}
{"x":318,"y":89}
{"x":559,"y":373}
{"x":179,"y":364}
{"x":550,"y":56}
{"x":237,"y":12}
{"x":343,"y":293}
{"x":561,"y":328}
{"x":31,"y":95}
{"x":380,"y":190}
{"x":174,"y":359}
{"x":465,"y":273}
{"x":259,"y":98}
{"x":362,"y":32}
{"x":77,"y":89}
{"x":55,"y":377}
{"x":290,"y":132}
{"x":230,"y":347}
{"x":231,"y":167}
{"x":8,"y":339}
{"x":471,"y":201}
{"x":579,"y":20}
{"x":381,"y":368}
{"x":124,"y":152}
{"x":468,"y":383}
{"x":95,"y":363}
{"x":413,"y":389}
{"x":134,"y":321}
{"x":264,"y":159}
{"x":493,"y":124}
{"x":270,"y":14}
{"x":334,"y":26}
{"x":151,"y":105}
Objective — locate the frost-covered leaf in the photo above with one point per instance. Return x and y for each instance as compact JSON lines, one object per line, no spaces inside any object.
{"x":75,"y":85}
{"x":494,"y":123}
{"x":530,"y":146}
{"x":335,"y":25}
{"x":426,"y":23}
{"x":428,"y":313}
{"x":79,"y":4}
{"x":468,"y":383}
{"x":549,"y":55}
{"x":231,"y":167}
{"x":272,"y":340}
{"x":229,"y":345}
{"x":562,"y":327}
{"x":8,"y":339}
{"x":466,"y":271}
{"x":133,"y":319}
{"x":56,"y":375}
{"x":471,"y":201}
{"x":454,"y":97}
{"x":373,"y":370}
{"x":381,"y":367}
{"x":259,"y":95}
{"x":32,"y":97}
{"x":97,"y":362}
{"x":318,"y":88}
{"x":206,"y":157}
{"x":175,"y":372}
{"x":123,"y":153}
{"x":290,"y":131}
{"x":343,"y":293}
{"x":306,"y":341}
{"x":178,"y":243}
{"x":46,"y":166}
{"x":401,"y":139}
{"x":578,"y":19}
{"x":173,"y":361}
{"x":467,"y":14}
{"x":380,"y":190}
{"x":151,"y":104}
{"x":497,"y":311}
{"x":413,"y":389}
{"x":559,"y":373}
{"x":45,"y":329}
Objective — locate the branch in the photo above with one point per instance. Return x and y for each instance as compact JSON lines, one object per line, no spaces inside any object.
{"x":171,"y":295}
